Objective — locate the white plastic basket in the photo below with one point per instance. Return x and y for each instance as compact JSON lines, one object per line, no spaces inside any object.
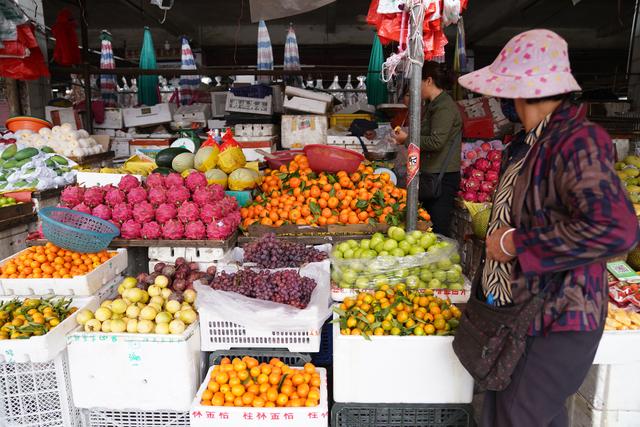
{"x":214,"y":416}
{"x":80,"y":285}
{"x":425,"y":360}
{"x":162,"y":372}
{"x":37,"y":394}
{"x":109,"y":418}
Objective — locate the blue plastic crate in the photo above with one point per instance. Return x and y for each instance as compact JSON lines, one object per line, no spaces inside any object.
{"x":324,"y":357}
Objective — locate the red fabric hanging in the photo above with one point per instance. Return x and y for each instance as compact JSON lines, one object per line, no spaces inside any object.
{"x":30,"y":67}
{"x":66,"y":51}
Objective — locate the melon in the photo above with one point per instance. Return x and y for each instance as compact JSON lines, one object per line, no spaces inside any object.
{"x":206,"y":158}
{"x":480,"y":223}
{"x":182,"y":162}
{"x":216,"y":176}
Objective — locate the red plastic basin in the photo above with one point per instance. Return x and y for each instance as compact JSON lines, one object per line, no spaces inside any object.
{"x":282,"y":158}
{"x":326,"y":158}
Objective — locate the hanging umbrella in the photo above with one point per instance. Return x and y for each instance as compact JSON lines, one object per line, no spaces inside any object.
{"x":108,"y":85}
{"x":265,"y":52}
{"x":188,"y":83}
{"x":376,"y":88}
{"x":292,"y":57}
{"x":148,"y":85}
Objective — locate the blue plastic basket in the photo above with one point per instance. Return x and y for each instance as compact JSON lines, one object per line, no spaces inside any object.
{"x":76,"y":231}
{"x":324,"y":358}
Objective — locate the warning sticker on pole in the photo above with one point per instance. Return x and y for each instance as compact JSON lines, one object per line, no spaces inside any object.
{"x":413,"y":162}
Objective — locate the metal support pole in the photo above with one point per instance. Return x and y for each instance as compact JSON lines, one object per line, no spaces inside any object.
{"x":413,"y":150}
{"x":84,"y":33}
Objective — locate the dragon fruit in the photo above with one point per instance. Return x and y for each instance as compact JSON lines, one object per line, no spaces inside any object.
{"x":137,"y":195}
{"x":494,"y":155}
{"x":93,"y":196}
{"x":143,"y":212}
{"x":128,"y":182}
{"x":178,"y":194}
{"x":121,"y":212}
{"x":166,"y":212}
{"x":102,"y":211}
{"x":491,"y":176}
{"x":195,"y":180}
{"x":72,"y":196}
{"x":188,"y":212}
{"x":114,"y":196}
{"x":155,"y":180}
{"x":483,"y":164}
{"x":157,"y":195}
{"x":470,"y":196}
{"x":220,"y":229}
{"x":217,"y":191}
{"x":472,"y":184}
{"x":130,"y":230}
{"x":173,"y":230}
{"x":195,"y":230}
{"x":486,"y":187}
{"x":229,"y":204}
{"x":483,"y":197}
{"x":477,"y":174}
{"x":81,"y":207}
{"x":495,"y":165}
{"x":173,"y":180}
{"x":207,"y":212}
{"x":202,"y":196}
{"x":151,"y":230}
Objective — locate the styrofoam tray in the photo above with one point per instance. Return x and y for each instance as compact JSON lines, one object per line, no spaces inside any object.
{"x":618,"y":347}
{"x":169,"y":254}
{"x":80,"y":285}
{"x":416,"y":361}
{"x":44,"y":348}
{"x":213,"y":416}
{"x":162,"y":372}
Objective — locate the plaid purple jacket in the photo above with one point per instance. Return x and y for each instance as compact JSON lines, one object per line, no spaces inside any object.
{"x":571,"y":214}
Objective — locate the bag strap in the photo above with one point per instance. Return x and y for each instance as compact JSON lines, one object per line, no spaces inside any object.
{"x":448,"y":158}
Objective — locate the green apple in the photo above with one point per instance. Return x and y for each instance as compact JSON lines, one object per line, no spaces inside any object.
{"x":343,"y":246}
{"x":375,"y":240}
{"x":336,"y":276}
{"x":411,"y":240}
{"x":379,"y":247}
{"x":456,"y":286}
{"x":357,"y":266}
{"x":440,"y":275}
{"x":444,"y":264}
{"x":352,"y":244}
{"x":397,"y":252}
{"x":390,"y":245}
{"x":453,"y":276}
{"x":379,"y":280}
{"x":435,"y":284}
{"x":425,"y":275}
{"x":364,"y":243}
{"x":362,"y":282}
{"x":377,"y":235}
{"x":455,"y":258}
{"x":337,"y":254}
{"x":348,"y":254}
{"x":416,"y":235}
{"x":412,"y":282}
{"x":427,"y":240}
{"x":396,"y":233}
{"x":415,"y":250}
{"x":383,"y":253}
{"x":345,"y":285}
{"x":414,"y":271}
{"x":457,"y":267}
{"x":349,"y":276}
{"x":357,"y":253}
{"x":370,"y":253}
{"x":402,"y":273}
{"x":405,"y":246}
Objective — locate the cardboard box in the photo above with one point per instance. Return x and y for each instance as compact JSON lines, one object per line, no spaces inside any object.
{"x":147,"y":147}
{"x":58,"y":116}
{"x":218,"y":103}
{"x":193,"y":113}
{"x":298,"y":131}
{"x":112,"y":119}
{"x":147,"y":116}
{"x":306,"y":101}
{"x":120,"y":146}
{"x":251,"y":144}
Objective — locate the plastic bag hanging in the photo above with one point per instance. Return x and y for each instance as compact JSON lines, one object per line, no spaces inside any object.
{"x":292,"y":58}
{"x":108,"y":84}
{"x":265,"y":52}
{"x":66,"y":51}
{"x":148,"y":84}
{"x":188,"y":83}
{"x":28,"y":66}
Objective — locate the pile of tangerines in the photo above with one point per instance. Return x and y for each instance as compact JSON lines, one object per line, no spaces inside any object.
{"x":248,"y":383}
{"x":50,"y":261}
{"x":294,"y":194}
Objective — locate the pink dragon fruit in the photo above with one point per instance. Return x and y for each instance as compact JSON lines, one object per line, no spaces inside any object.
{"x":195,"y":230}
{"x":121,"y":212}
{"x":472,"y":184}
{"x":202,"y":196}
{"x":221,"y":229}
{"x":173,"y":180}
{"x":81,"y":207}
{"x":195,"y":180}
{"x":470,"y":196}
{"x":482,"y":164}
{"x":151,"y":230}
{"x":93,"y":196}
{"x":217,"y":191}
{"x":486,"y":187}
{"x":166,"y":212}
{"x":72,"y":196}
{"x":188,"y":212}
{"x":483,"y":197}
{"x":494,"y":155}
{"x":157,"y":195}
{"x":102,"y":211}
{"x":155,"y":180}
{"x":229,"y":204}
{"x":491,"y":176}
{"x":477,"y":174}
{"x":128,"y":182}
{"x":143,"y":212}
{"x":114,"y":196}
{"x":173,"y":230}
{"x":177,"y":195}
{"x":207,"y":212}
{"x":495,"y":165}
{"x":136,"y":195}
{"x":130,"y":230}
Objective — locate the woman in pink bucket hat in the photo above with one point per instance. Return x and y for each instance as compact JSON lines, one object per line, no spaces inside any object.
{"x":537,"y":309}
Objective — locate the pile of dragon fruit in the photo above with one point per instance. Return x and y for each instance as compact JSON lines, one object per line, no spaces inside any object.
{"x":480,"y":170}
{"x":163,"y":207}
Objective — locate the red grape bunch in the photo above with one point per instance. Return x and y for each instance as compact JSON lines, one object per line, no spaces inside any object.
{"x":270,"y":252}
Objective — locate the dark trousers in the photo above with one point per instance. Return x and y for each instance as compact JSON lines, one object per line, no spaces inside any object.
{"x":551,"y":370}
{"x":441,"y":208}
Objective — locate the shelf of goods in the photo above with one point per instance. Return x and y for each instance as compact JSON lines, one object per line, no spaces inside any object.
{"x":141,"y":359}
{"x":85,"y":285}
{"x":400,"y":414}
{"x":425,"y":360}
{"x":205,"y":416}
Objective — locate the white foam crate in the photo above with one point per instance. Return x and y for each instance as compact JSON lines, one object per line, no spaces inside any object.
{"x":14,"y":240}
{"x":425,"y":360}
{"x":44,"y":348}
{"x":169,"y":255}
{"x":241,"y":104}
{"x":617,"y":347}
{"x":612,"y":387}
{"x":79,"y":286}
{"x":214,"y":416}
{"x":581,"y":414}
{"x":162,"y":372}
{"x":110,"y":418}
{"x":37,"y":394}
{"x":255,"y":130}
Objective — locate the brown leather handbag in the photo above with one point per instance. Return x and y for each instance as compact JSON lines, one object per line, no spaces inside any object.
{"x":491,"y":340}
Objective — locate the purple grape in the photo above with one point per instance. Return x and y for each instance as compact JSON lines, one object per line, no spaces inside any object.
{"x":269,"y":252}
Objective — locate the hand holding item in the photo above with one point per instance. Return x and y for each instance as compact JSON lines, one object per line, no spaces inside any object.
{"x":500,"y":245}
{"x":400,"y":135}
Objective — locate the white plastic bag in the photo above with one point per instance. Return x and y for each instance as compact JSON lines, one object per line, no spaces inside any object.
{"x":266,"y":315}
{"x":390,"y":6}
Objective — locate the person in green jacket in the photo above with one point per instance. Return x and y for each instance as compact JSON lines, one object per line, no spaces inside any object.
{"x":440,"y":146}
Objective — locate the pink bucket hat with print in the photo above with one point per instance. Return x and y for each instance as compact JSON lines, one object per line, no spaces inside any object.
{"x":534,"y":64}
